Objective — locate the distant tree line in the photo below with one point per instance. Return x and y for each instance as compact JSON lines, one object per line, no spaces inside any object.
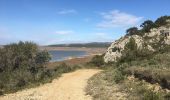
{"x":88,"y":45}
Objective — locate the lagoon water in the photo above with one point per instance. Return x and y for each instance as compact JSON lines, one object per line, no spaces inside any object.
{"x":60,"y":55}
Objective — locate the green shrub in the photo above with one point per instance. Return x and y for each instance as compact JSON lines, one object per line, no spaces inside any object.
{"x":147,"y":26}
{"x":42,"y":57}
{"x":63,"y":68}
{"x":133,"y":31}
{"x":21,"y":64}
{"x":151,"y":75}
{"x":118,"y":76}
{"x":98,"y":60}
{"x":21,"y":82}
{"x":161,"y":21}
{"x":130,"y":51}
{"x":150,"y":95}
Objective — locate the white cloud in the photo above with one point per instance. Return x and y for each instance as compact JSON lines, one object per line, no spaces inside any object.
{"x":64,"y":32}
{"x":67,"y":11}
{"x":115,"y":18}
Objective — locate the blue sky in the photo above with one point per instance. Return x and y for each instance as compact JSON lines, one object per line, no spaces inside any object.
{"x":71,"y":21}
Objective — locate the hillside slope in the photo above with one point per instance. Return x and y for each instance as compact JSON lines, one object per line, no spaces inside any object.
{"x":152,"y":39}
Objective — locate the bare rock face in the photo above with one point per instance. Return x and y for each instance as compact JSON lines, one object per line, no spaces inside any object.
{"x":154,"y":36}
{"x":114,"y":51}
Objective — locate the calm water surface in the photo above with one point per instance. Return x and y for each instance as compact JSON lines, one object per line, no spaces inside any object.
{"x":60,"y":55}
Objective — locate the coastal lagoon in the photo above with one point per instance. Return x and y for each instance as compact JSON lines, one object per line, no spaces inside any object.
{"x":60,"y":55}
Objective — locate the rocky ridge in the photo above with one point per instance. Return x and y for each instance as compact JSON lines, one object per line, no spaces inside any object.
{"x":149,"y":39}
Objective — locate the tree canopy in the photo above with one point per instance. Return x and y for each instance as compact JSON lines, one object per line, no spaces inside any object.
{"x":147,"y":25}
{"x":132,"y":31}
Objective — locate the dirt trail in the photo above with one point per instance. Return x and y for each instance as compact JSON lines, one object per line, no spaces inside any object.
{"x":69,"y":87}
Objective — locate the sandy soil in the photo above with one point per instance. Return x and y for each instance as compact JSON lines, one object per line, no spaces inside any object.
{"x":69,"y":87}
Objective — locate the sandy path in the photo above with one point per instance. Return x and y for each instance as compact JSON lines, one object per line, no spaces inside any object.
{"x":69,"y":87}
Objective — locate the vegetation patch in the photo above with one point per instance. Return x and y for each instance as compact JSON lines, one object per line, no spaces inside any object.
{"x":23,"y":65}
{"x":102,"y":86}
{"x":151,"y":75}
{"x":97,"y":61}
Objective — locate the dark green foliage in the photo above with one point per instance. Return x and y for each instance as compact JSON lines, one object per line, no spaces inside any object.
{"x":151,"y":75}
{"x":131,"y":45}
{"x":132,"y":31}
{"x":42,"y":57}
{"x":162,"y":21}
{"x":14,"y":56}
{"x":64,"y":68}
{"x":115,"y":49}
{"x":118,"y":76}
{"x":147,"y":25}
{"x":98,"y":60}
{"x":144,"y":52}
{"x":150,"y":95}
{"x":21,"y":82}
{"x":130,"y":51}
{"x":21,"y":64}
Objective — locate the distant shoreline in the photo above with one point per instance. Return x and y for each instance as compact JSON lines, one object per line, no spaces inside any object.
{"x":73,"y":61}
{"x":90,"y":51}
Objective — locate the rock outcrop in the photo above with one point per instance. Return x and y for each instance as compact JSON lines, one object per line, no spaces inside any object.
{"x":150,"y":38}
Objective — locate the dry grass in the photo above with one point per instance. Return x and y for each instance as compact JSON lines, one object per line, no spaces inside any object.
{"x":161,"y":76}
{"x":102,"y":87}
{"x":141,"y":90}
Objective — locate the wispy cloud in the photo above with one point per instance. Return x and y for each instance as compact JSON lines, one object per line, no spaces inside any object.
{"x":67,"y":11}
{"x":116,"y":18}
{"x":64,"y":32}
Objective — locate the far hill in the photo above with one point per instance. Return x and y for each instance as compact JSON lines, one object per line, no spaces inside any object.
{"x":87,"y":45}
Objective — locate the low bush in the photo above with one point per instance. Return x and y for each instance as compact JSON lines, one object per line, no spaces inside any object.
{"x":24,"y":65}
{"x":151,"y":75}
{"x":102,"y":87}
{"x":140,"y":90}
{"x":98,"y":60}
{"x":150,"y":95}
{"x":118,"y":76}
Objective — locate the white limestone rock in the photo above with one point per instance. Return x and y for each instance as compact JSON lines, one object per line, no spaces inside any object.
{"x":114,"y":51}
